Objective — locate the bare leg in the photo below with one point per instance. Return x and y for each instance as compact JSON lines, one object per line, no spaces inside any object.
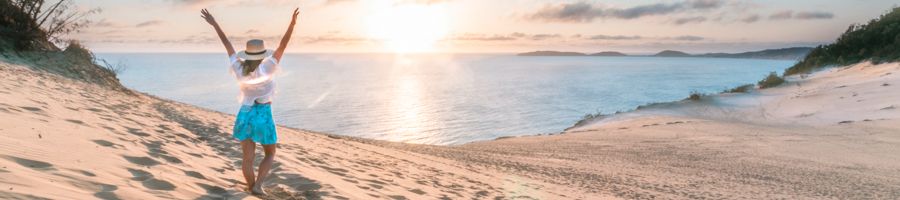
{"x":249,"y":149}
{"x":264,"y":168}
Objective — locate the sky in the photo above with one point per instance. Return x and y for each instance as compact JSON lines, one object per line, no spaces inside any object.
{"x":476,"y":26}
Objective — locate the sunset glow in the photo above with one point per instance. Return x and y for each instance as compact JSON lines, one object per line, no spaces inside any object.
{"x":407,"y":28}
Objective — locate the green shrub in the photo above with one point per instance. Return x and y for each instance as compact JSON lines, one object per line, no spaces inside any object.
{"x":586,"y":119}
{"x":770,"y":81}
{"x":877,"y":41}
{"x":741,"y":89}
{"x":77,"y":51}
{"x":695,"y":96}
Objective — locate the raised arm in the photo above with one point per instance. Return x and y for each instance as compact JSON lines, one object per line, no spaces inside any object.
{"x":212,"y":21}
{"x":287,"y":36}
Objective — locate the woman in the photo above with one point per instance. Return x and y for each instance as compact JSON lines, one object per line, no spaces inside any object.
{"x":254,"y":68}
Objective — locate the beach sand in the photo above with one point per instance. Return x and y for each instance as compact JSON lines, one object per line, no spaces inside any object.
{"x":832,"y":135}
{"x":64,"y":139}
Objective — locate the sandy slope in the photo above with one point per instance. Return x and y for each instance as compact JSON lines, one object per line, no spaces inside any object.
{"x":832,"y":135}
{"x":62,"y":139}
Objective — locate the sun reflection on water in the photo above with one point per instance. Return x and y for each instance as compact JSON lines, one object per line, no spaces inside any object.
{"x":407,"y":99}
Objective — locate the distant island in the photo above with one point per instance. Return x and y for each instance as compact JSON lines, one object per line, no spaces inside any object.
{"x":552,"y":53}
{"x":609,"y":53}
{"x":793,"y":53}
{"x":670,"y":53}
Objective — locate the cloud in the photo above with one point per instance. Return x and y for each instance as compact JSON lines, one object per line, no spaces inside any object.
{"x":103,"y":23}
{"x":814,"y":15}
{"x":751,"y":18}
{"x":687,"y":38}
{"x":583,"y":12}
{"x":687,"y":20}
{"x":333,"y":2}
{"x":517,"y":36}
{"x":615,"y":37}
{"x":790,"y":14}
{"x":544,"y":36}
{"x":149,"y":23}
{"x":782,"y":15}
{"x":426,"y":2}
{"x":330,"y":38}
{"x":396,"y":2}
{"x":485,"y":37}
{"x":194,"y":4}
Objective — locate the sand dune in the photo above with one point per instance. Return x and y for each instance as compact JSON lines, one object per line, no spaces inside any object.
{"x":63,"y":139}
{"x":832,"y":135}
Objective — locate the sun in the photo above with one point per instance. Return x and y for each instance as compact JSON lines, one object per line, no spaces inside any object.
{"x":408,"y":28}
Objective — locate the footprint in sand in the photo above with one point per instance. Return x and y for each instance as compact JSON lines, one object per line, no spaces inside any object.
{"x":33,"y":164}
{"x":32,"y":109}
{"x":85,"y":173}
{"x":156,"y":184}
{"x":149,"y":182}
{"x":194,"y":174}
{"x":213,"y":192}
{"x":106,"y":191}
{"x":139,"y":175}
{"x":106,"y":143}
{"x":137,"y":132}
{"x":145,"y":161}
{"x":417,"y":191}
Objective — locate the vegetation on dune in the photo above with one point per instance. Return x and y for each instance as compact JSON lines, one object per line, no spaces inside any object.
{"x":39,"y":24}
{"x":771,"y":80}
{"x":741,"y":89}
{"x":695,"y":96}
{"x":878,"y":41}
{"x":587,"y":118}
{"x":18,"y":30}
{"x":32,"y":33}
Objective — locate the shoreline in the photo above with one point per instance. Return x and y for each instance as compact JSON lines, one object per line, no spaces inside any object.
{"x":497,"y":127}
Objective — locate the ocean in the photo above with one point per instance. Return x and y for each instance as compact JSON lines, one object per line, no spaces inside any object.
{"x":443,"y":99}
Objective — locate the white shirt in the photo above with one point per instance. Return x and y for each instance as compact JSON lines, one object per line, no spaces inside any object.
{"x":257,"y":86}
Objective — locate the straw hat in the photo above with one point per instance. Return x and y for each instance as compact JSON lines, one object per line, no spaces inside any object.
{"x":256,"y":50}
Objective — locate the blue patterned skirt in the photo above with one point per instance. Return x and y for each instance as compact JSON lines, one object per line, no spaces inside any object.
{"x":255,"y":122}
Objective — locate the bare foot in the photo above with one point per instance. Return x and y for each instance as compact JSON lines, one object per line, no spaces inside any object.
{"x":257,"y":190}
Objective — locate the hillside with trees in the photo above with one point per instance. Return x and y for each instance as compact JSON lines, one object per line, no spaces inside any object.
{"x":877,"y":41}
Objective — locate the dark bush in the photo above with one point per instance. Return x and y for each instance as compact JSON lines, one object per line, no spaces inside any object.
{"x":741,"y":89}
{"x":695,"y":96}
{"x":77,"y":51}
{"x":771,"y":81}
{"x":19,"y":29}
